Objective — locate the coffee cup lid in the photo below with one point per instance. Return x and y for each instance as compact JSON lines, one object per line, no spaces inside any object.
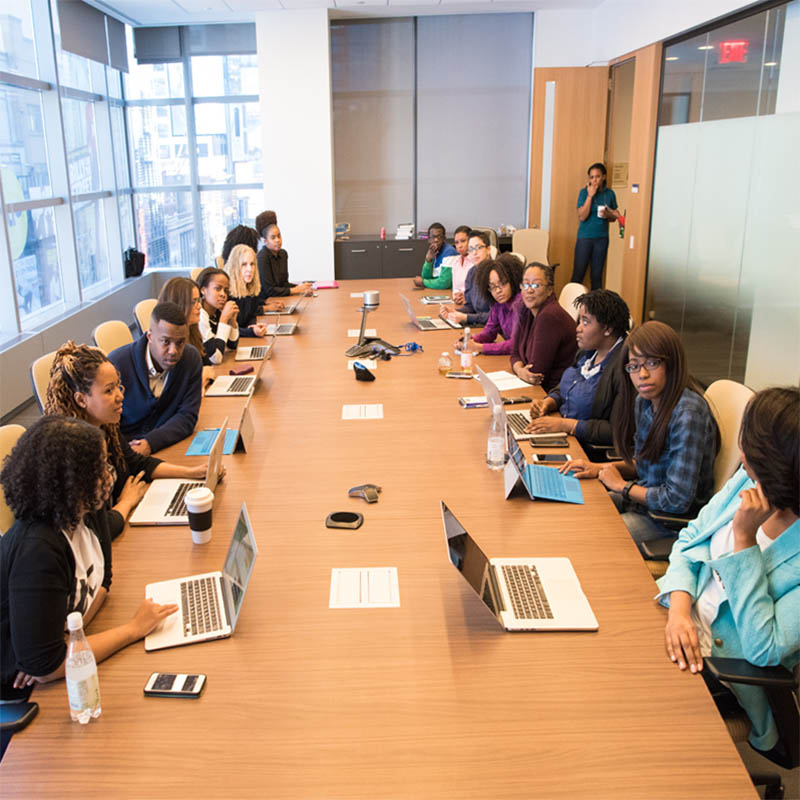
{"x":200,"y":495}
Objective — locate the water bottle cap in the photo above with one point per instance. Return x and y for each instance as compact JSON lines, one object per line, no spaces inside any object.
{"x":75,"y":621}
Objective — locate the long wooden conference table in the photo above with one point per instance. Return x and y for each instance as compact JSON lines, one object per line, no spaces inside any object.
{"x":427,"y":700}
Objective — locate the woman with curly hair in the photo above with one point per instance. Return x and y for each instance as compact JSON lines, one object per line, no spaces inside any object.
{"x":85,"y":384}
{"x":56,"y":557}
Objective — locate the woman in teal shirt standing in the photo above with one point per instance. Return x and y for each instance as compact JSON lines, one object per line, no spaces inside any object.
{"x":597,"y":204}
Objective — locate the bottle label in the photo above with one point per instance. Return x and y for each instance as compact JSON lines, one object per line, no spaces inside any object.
{"x":84,"y":692}
{"x":496,"y":451}
{"x":466,"y":359}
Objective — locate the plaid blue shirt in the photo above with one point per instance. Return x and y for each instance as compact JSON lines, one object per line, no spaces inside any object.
{"x":682,"y":480}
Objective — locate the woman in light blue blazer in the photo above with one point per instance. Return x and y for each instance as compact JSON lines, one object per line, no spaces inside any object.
{"x":733,"y":583}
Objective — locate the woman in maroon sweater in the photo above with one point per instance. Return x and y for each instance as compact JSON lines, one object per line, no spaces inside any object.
{"x":544,"y":338}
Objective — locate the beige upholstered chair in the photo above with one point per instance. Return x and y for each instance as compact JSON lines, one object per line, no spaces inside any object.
{"x":8,"y":438}
{"x":40,"y":377}
{"x":142,"y":311}
{"x":195,"y":271}
{"x":532,"y":243}
{"x":492,"y":235}
{"x":569,"y":294}
{"x":110,"y":335}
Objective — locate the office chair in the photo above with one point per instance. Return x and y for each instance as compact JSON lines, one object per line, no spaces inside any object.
{"x":195,"y":271}
{"x":519,"y":257}
{"x":110,"y":335}
{"x":8,"y":438}
{"x":142,"y":311}
{"x":727,"y":401}
{"x":40,"y":377}
{"x":567,"y":298}
{"x":492,"y":236}
{"x":781,"y":688}
{"x":533,"y":243}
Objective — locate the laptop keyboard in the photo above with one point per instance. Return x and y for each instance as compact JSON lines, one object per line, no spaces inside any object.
{"x":427,"y":324}
{"x":177,"y":506}
{"x":518,"y":421}
{"x":240,"y":385}
{"x":199,"y":606}
{"x":258,"y":352}
{"x":527,"y":593}
{"x":548,"y":481}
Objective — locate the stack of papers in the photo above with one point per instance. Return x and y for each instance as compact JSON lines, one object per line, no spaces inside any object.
{"x":435,"y":299}
{"x":505,"y":381}
{"x":405,"y":230}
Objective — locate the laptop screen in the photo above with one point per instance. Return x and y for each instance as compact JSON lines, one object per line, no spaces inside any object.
{"x":239,"y":563}
{"x":468,"y":559}
{"x":517,"y":456}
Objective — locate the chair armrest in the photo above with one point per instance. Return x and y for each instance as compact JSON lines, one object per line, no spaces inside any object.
{"x":658,"y":549}
{"x":675,"y":522}
{"x":738,"y":670}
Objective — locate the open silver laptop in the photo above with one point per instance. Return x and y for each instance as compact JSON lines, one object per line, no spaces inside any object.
{"x":163,"y":502}
{"x":279,"y":328}
{"x":209,"y":604}
{"x":255,"y":352}
{"x":522,"y":594}
{"x":287,"y":309}
{"x":235,"y":385}
{"x":427,"y":323}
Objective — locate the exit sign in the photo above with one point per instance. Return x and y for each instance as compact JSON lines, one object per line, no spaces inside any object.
{"x":733,"y":52}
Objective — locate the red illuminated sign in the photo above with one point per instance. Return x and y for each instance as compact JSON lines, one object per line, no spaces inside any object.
{"x":733,"y":52}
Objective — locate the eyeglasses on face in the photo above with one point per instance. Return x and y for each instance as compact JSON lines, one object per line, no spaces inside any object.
{"x":648,"y":363}
{"x":494,"y":287}
{"x":531,"y":286}
{"x":476,"y":247}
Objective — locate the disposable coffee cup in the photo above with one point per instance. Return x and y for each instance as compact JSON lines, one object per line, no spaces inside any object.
{"x":601,"y":211}
{"x":199,"y":503}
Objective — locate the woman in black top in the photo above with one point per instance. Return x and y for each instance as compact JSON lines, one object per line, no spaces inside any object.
{"x":85,"y":384}
{"x":56,"y":557}
{"x":244,"y":289}
{"x":273,"y":261}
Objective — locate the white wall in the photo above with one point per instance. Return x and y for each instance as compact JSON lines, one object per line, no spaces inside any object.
{"x":296,"y":122}
{"x":562,"y":38}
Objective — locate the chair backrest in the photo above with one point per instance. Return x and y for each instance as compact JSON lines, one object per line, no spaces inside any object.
{"x":519,"y":256}
{"x":195,"y":271}
{"x":8,"y":438}
{"x":567,"y":298}
{"x":727,"y":401}
{"x":142,"y":311}
{"x":532,"y":243}
{"x":492,"y":234}
{"x":110,"y":335}
{"x":40,"y":377}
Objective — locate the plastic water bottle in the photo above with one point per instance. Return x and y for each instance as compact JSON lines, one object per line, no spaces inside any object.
{"x":496,"y":446}
{"x":466,"y":354}
{"x":445,"y":364}
{"x":83,"y":687}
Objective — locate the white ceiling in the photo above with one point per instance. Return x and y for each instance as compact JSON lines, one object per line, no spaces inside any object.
{"x":195,"y":12}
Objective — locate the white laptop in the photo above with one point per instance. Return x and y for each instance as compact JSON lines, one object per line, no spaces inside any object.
{"x":427,"y":323}
{"x":209,"y":604}
{"x":163,"y":502}
{"x":255,"y":352}
{"x":235,"y":385}
{"x":279,"y":328}
{"x":522,"y":594}
{"x":289,"y":309}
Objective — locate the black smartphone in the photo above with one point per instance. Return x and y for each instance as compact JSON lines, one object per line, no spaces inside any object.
{"x":551,"y":458}
{"x":174,"y":684}
{"x":15,"y":716}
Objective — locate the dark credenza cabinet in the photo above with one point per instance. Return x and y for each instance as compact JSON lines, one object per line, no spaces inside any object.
{"x":378,"y":258}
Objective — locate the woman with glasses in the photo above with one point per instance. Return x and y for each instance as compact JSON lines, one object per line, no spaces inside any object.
{"x":664,"y":431}
{"x":591,"y":385}
{"x":543,"y":345}
{"x":474,"y":308}
{"x":498,"y":281}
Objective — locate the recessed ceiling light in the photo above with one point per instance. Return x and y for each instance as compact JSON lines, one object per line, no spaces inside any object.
{"x":770,"y":63}
{"x":706,"y":47}
{"x":672,"y":58}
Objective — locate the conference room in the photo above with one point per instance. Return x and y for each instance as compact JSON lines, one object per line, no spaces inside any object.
{"x":219,"y":117}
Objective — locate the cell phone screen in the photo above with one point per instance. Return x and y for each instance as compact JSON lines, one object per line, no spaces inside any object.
{"x":559,"y":458}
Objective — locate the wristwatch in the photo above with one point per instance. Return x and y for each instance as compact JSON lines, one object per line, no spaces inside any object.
{"x":626,"y":492}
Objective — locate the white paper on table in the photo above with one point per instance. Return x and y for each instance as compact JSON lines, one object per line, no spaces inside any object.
{"x":362,"y":411}
{"x":505,"y":381}
{"x":364,"y":587}
{"x":353,"y":332}
{"x":356,"y":294}
{"x":369,"y":363}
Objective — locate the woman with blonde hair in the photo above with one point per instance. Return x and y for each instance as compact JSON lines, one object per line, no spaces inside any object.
{"x":244,"y":289}
{"x":85,"y":384}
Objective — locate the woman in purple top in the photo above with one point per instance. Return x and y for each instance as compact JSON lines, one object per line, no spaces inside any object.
{"x":544,"y":344}
{"x":498,"y":281}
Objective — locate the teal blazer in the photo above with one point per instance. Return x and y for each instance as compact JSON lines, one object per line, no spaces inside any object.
{"x":760,"y":620}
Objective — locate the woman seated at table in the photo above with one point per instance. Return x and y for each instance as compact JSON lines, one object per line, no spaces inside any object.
{"x":474,"y":310}
{"x":543,"y":345}
{"x":498,"y":282}
{"x":273,"y":261}
{"x":664,"y":431}
{"x":459,"y":264}
{"x":218,"y":322}
{"x":56,"y":557}
{"x":85,"y":384}
{"x":589,"y":388}
{"x":732,"y":586}
{"x":244,"y":289}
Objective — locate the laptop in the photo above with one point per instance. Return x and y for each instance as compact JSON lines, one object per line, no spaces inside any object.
{"x":522,"y":594}
{"x":427,"y":323}
{"x":290,"y":309}
{"x":256,"y":352}
{"x":279,"y":328}
{"x":540,"y":481}
{"x":235,"y":385}
{"x":163,"y":502}
{"x":209,"y":604}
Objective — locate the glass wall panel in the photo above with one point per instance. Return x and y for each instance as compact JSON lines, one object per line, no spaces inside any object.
{"x":17,"y":49}
{"x":224,"y":209}
{"x":159,"y":149}
{"x":372,"y":67}
{"x":73,"y":71}
{"x":90,"y":238}
{"x":120,"y":151}
{"x":153,"y":81}
{"x":81,"y":137}
{"x":221,"y":76}
{"x":23,"y":149}
{"x":165,"y":228}
{"x":228,"y":142}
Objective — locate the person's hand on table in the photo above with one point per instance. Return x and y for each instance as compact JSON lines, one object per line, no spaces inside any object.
{"x":753,"y":512}
{"x":548,"y":425}
{"x":259,"y":329}
{"x":141,"y":446}
{"x":274,"y":304}
{"x":680,"y":634}
{"x":582,"y":467}
{"x":541,"y":407}
{"x":22,"y":680}
{"x":418,"y":281}
{"x":229,"y":313}
{"x":611,"y":478}
{"x":148,"y":616}
{"x":196,"y":472}
{"x":525,"y":372}
{"x":458,"y":298}
{"x":133,"y":490}
{"x":302,"y":288}
{"x":476,"y":347}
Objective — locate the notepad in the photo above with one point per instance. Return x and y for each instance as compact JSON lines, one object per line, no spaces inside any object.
{"x":505,"y":381}
{"x":203,"y":441}
{"x":364,"y":587}
{"x":362,"y":411}
{"x":357,"y":294}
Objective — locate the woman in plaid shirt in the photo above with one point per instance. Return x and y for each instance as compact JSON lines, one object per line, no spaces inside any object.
{"x":664,"y":431}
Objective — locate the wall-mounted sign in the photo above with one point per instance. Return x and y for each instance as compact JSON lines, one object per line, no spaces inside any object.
{"x":733,"y":52}
{"x":619,"y":175}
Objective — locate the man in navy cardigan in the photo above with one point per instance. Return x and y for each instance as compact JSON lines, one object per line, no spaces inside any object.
{"x":163,"y":380}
